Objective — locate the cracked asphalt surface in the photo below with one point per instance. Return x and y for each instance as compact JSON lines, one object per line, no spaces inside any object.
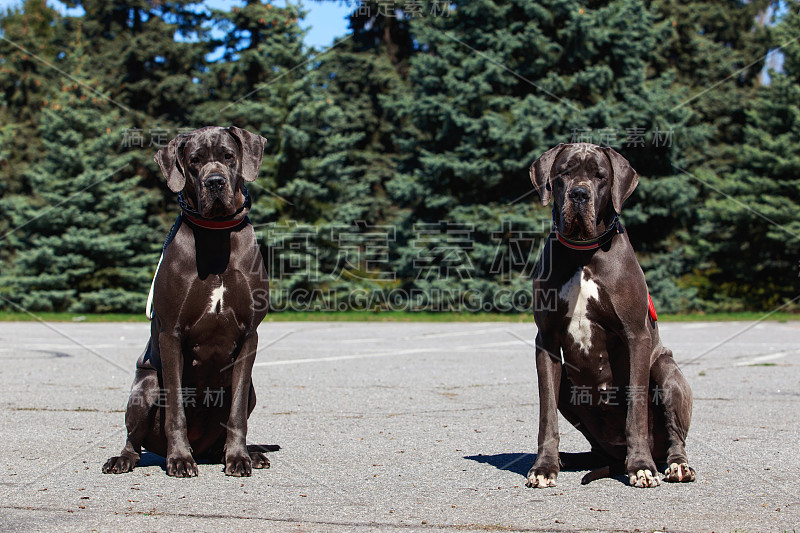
{"x":391,"y":427}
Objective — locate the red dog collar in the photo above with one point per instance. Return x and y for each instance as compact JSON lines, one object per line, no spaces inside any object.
{"x":213,"y":224}
{"x":195,"y":218}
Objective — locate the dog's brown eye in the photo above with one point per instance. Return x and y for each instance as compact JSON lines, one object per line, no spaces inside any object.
{"x":228,"y":156}
{"x":601,"y":176}
{"x":194,"y":161}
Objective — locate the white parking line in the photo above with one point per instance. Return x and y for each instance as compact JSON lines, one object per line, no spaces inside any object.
{"x":764,"y":358}
{"x":409,"y":351}
{"x":702,"y":325}
{"x":59,"y":346}
{"x":427,"y":335}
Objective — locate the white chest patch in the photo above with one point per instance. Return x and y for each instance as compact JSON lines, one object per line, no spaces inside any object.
{"x":216,"y":299}
{"x":576,"y":294}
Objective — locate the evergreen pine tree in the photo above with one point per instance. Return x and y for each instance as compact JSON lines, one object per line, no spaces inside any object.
{"x":82,"y":243}
{"x":496,"y":84}
{"x":147,"y":55}
{"x":340,"y":154}
{"x":147,"y":58}
{"x":715,"y":50}
{"x":751,"y":222}
{"x":256,"y":83}
{"x":253,"y":85}
{"x":30,"y":34}
{"x":118,"y":64}
{"x":416,"y":130}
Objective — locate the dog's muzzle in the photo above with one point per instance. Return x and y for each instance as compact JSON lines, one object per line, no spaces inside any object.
{"x":577,"y":213}
{"x":215,"y":183}
{"x":580,"y":195}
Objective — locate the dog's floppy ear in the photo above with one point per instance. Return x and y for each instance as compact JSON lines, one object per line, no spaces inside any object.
{"x":540,"y":172}
{"x":624,"y":181}
{"x":169,"y":160}
{"x":252,"y":151}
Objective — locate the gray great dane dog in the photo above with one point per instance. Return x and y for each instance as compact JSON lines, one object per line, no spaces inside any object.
{"x":192,"y":393}
{"x":617,"y":384}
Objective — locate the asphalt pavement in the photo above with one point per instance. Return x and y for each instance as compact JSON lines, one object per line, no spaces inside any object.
{"x":391,"y":427}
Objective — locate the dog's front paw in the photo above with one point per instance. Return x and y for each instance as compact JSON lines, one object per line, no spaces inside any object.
{"x":120,"y":464}
{"x":641,"y":470}
{"x":181,"y":466}
{"x":644,"y":478}
{"x":679,"y":473}
{"x":542,"y":475}
{"x":239,"y":465}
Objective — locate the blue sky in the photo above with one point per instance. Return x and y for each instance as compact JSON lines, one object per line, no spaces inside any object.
{"x":325,"y":21}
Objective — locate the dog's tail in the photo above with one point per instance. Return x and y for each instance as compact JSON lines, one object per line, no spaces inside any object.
{"x":612,"y":470}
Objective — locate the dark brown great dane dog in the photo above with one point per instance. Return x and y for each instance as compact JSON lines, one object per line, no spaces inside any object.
{"x":192,"y":393}
{"x":618,"y":385}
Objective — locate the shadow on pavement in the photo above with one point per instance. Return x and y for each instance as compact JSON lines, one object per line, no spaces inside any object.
{"x":520,"y":463}
{"x":151,"y":459}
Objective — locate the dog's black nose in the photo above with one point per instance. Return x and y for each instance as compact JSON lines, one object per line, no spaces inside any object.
{"x":579,"y":195}
{"x":215,"y":182}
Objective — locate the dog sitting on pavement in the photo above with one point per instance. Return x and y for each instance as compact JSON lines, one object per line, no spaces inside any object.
{"x":208,"y":297}
{"x":617,"y":384}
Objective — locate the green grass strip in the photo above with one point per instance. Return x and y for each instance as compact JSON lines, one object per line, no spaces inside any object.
{"x":391,"y":316}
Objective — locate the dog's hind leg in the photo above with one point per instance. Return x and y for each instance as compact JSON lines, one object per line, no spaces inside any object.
{"x":671,"y":392}
{"x":139,"y":420}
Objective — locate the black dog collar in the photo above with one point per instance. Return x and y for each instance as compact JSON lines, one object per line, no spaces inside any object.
{"x":614,"y":227}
